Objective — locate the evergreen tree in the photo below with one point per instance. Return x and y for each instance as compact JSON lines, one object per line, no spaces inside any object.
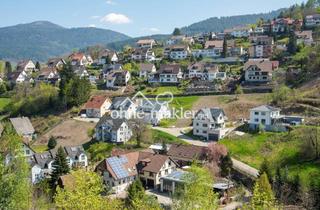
{"x":292,"y":45}
{"x":8,"y":67}
{"x":177,"y":32}
{"x":278,"y":183}
{"x":135,"y":192}
{"x":265,"y":168}
{"x":38,"y":66}
{"x":225,"y":165}
{"x":52,"y":143}
{"x":263,"y":197}
{"x":314,"y":193}
{"x":60,"y":166}
{"x":225,"y":48}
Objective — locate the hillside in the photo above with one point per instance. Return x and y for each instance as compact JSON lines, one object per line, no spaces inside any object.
{"x":216,"y":24}
{"x":41,"y":40}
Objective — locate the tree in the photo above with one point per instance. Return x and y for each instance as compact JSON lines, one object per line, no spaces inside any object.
{"x":137,"y":199}
{"x":38,"y":66}
{"x":281,"y":94}
{"x":238,"y":91}
{"x":100,"y":151}
{"x":85,"y":193}
{"x":141,"y":133}
{"x":265,"y":168}
{"x":77,"y":91}
{"x":176,"y":32}
{"x":314,"y":194}
{"x":226,"y":165}
{"x":8,"y":67}
{"x":225,"y":48}
{"x":197,"y":191}
{"x":52,"y":143}
{"x":310,"y":147}
{"x":15,"y":186}
{"x":60,"y":166}
{"x":263,"y":197}
{"x":292,"y":45}
{"x":215,"y":153}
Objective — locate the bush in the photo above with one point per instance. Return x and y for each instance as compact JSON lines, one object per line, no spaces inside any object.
{"x":52,"y":143}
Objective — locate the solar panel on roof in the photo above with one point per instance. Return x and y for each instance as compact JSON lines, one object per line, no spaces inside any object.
{"x":117,"y":166}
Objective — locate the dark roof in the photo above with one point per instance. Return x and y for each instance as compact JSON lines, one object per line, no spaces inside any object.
{"x":169,"y":69}
{"x":154,"y":162}
{"x":189,"y":152}
{"x":121,"y":103}
{"x":212,"y":113}
{"x":74,"y":151}
{"x":114,"y":123}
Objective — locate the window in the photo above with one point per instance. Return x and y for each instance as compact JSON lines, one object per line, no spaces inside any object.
{"x":205,"y":125}
{"x":256,"y":120}
{"x":263,"y":121}
{"x":204,"y":132}
{"x":256,"y":113}
{"x":263,"y":113}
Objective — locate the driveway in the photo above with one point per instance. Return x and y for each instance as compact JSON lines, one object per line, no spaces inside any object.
{"x":163,"y":198}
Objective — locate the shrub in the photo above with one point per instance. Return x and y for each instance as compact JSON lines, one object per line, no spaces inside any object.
{"x":52,"y":143}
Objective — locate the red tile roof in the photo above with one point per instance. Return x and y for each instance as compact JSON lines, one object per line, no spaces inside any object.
{"x":96,"y":102}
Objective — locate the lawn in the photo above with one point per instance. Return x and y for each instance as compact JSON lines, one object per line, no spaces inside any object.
{"x":159,"y":137}
{"x":4,"y":102}
{"x":160,"y":90}
{"x":280,"y":149}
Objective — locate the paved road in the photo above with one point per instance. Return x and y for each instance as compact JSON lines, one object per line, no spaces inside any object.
{"x":163,"y":198}
{"x":237,"y":165}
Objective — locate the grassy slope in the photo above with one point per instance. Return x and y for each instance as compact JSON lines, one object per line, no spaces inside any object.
{"x":278,"y":148}
{"x":160,"y":90}
{"x":4,"y":102}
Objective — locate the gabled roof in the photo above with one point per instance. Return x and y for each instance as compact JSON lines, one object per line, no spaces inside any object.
{"x":96,"y":102}
{"x":169,"y":69}
{"x":77,"y":56}
{"x":146,"y":67}
{"x":121,"y":103}
{"x":55,"y":61}
{"x":74,"y":151}
{"x":212,"y":113}
{"x":114,"y":123}
{"x":155,"y":162}
{"x":262,"y":64}
{"x":22,"y":125}
{"x":22,"y":64}
{"x":145,"y":41}
{"x":265,"y":108}
{"x":189,"y":152}
{"x":304,"y":34}
{"x":214,"y":44}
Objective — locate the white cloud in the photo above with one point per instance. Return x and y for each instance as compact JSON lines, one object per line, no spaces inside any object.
{"x":92,"y":25}
{"x":110,"y":2}
{"x":95,"y":17}
{"x":115,"y":18}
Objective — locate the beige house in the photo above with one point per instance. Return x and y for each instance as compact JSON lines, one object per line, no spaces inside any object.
{"x":97,"y":106}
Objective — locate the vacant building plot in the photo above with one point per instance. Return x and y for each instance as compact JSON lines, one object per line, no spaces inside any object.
{"x":68,"y":133}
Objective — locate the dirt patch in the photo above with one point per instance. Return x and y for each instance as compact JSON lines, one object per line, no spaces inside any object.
{"x":235,"y":109}
{"x":68,"y":133}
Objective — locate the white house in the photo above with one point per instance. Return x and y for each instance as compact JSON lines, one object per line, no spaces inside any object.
{"x":42,"y":163}
{"x":312,"y":20}
{"x":113,"y":129}
{"x":270,"y":119}
{"x":179,"y":52}
{"x":124,"y":107}
{"x":49,"y":74}
{"x":152,"y":111}
{"x":18,"y":77}
{"x":97,"y":106}
{"x":143,"y":54}
{"x":259,"y":70}
{"x":27,"y":66}
{"x":262,"y":46}
{"x":56,"y":63}
{"x":304,"y":37}
{"x":209,"y":123}
{"x":205,"y":71}
{"x":146,"y":69}
{"x":117,"y":78}
{"x":239,"y":32}
{"x":168,"y":73}
{"x":79,"y":59}
{"x":108,"y":54}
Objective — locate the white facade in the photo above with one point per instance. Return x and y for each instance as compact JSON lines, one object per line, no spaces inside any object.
{"x":108,"y":132}
{"x":264,"y":115}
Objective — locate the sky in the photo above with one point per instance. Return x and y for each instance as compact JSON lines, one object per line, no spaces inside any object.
{"x":131,"y":17}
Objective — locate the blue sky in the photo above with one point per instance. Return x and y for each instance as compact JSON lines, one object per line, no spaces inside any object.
{"x":132,"y":17}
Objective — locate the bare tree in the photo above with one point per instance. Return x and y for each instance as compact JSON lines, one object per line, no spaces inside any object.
{"x":215,"y":153}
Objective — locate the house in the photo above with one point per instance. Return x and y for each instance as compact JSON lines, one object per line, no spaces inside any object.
{"x":259,"y":30}
{"x":112,"y":129}
{"x":143,"y":54}
{"x":97,"y":106}
{"x":152,"y":111}
{"x":124,"y":107}
{"x":146,"y":43}
{"x":239,"y":32}
{"x":204,"y":71}
{"x":42,"y":163}
{"x":262,"y":46}
{"x":312,"y":20}
{"x":18,"y":77}
{"x":259,"y":70}
{"x":23,"y":127}
{"x":146,"y":69}
{"x":270,"y":119}
{"x":304,"y":37}
{"x":180,"y":39}
{"x":56,"y":63}
{"x":110,"y":67}
{"x":168,"y":73}
{"x":48,"y":75}
{"x":27,"y":66}
{"x":179,"y":52}
{"x":281,"y":25}
{"x":185,"y":155}
{"x":81,"y":71}
{"x":173,"y":181}
{"x":78,"y":59}
{"x":120,"y":171}
{"x":118,"y":78}
{"x":209,"y":123}
{"x":108,"y":55}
